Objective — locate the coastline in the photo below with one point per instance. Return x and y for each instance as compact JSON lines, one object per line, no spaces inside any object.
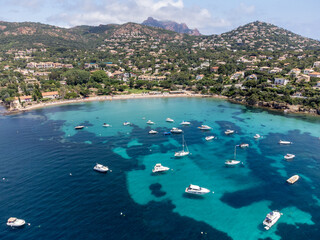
{"x":106,"y":98}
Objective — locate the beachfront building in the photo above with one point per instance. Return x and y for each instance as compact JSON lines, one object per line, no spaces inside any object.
{"x":151,"y":78}
{"x":51,"y":95}
{"x":315,"y":74}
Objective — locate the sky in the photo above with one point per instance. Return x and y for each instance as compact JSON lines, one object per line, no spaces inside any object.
{"x":208,"y":16}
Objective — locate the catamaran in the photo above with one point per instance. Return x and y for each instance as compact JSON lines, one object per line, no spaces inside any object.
{"x":233,"y":162}
{"x":271,"y":219}
{"x":184,"y":151}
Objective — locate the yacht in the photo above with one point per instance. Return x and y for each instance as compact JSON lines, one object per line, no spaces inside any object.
{"x":159,"y":168}
{"x":150,"y":122}
{"x":244,"y":145}
{"x":257,"y":136}
{"x":15,"y":222}
{"x":153,"y":132}
{"x":233,"y":162}
{"x":289,"y":156}
{"x":126,"y":123}
{"x":169,"y":120}
{"x":106,"y":125}
{"x":176,"y":130}
{"x":184,"y":123}
{"x":228,"y":132}
{"x":194,"y":189}
{"x":78,"y":127}
{"x":208,"y":138}
{"x":271,"y":219}
{"x":184,"y":151}
{"x":293,"y":179}
{"x":100,"y":168}
{"x":285,"y":142}
{"x":205,"y":127}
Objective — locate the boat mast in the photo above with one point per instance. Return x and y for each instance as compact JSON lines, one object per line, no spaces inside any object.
{"x":235,"y":152}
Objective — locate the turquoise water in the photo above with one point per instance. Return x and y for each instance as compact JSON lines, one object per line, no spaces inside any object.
{"x":240,"y":196}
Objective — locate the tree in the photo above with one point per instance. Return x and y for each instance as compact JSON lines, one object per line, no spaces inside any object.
{"x":75,"y":77}
{"x":99,"y":76}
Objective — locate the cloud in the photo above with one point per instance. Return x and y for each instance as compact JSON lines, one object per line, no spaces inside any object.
{"x":85,"y":12}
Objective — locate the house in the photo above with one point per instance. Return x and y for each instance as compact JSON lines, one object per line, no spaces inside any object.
{"x":199,"y":77}
{"x":31,"y":81}
{"x":252,"y":77}
{"x":281,"y":81}
{"x":295,"y":71}
{"x":51,"y":95}
{"x":275,"y":70}
{"x":91,"y":65}
{"x":151,"y":78}
{"x":318,"y":84}
{"x":316,"y":64}
{"x":304,"y":77}
{"x":214,"y":69}
{"x":237,"y":75}
{"x":308,"y":70}
{"x":23,"y":99}
{"x":315,"y":74}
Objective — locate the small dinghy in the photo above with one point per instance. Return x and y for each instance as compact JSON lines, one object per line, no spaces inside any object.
{"x":78,"y":127}
{"x":208,"y":138}
{"x":289,"y":156}
{"x":293,"y":179}
{"x":228,"y":132}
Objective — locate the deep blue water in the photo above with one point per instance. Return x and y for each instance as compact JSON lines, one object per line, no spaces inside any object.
{"x":46,"y":174}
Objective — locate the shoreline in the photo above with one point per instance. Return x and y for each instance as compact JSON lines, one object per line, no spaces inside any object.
{"x":105,"y":98}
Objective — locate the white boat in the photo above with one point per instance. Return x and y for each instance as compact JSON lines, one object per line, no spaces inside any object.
{"x":153,"y":132}
{"x":233,"y":162}
{"x":150,"y":122}
{"x":169,"y":120}
{"x":257,"y":136}
{"x":289,"y":156}
{"x":194,"y":189}
{"x":15,"y":222}
{"x":228,"y":132}
{"x":79,"y":127}
{"x":205,"y":127}
{"x":184,"y":123}
{"x":244,"y":145}
{"x":293,"y":179}
{"x":184,"y":151}
{"x":159,"y":168}
{"x":176,"y":130}
{"x":100,"y":168}
{"x":208,"y":138}
{"x":271,"y":219}
{"x":126,"y":123}
{"x":106,"y":125}
{"x":285,"y":142}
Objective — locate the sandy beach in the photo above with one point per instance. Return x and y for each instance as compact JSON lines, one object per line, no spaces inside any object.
{"x":107,"y":98}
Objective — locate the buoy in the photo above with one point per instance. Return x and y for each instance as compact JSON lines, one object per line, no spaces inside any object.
{"x":121,"y":213}
{"x":201,"y":232}
{"x":70,"y":174}
{"x":3,"y":179}
{"x":212,"y":192}
{"x":29,"y":224}
{"x":110,"y":170}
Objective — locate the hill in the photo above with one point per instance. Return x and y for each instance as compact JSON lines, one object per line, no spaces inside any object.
{"x":172,"y":26}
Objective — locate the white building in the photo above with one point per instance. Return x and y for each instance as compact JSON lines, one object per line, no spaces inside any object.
{"x":281,"y":81}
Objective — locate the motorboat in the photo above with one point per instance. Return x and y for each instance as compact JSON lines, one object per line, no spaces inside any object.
{"x":228,"y":132}
{"x":185,"y":123}
{"x":126,"y":123}
{"x":153,"y":132}
{"x":289,"y":156}
{"x":257,"y":136}
{"x":169,"y":120}
{"x":208,"y":138}
{"x":176,"y":130}
{"x":271,"y":219}
{"x":184,"y":151}
{"x":78,"y":127}
{"x":100,"y":168}
{"x":106,"y":125}
{"x":150,"y":122}
{"x":205,"y":127}
{"x":244,"y":145}
{"x":285,"y":142}
{"x":293,"y":179}
{"x":167,"y":133}
{"x":194,"y":189}
{"x":15,"y":222}
{"x":234,"y":161}
{"x":159,"y":168}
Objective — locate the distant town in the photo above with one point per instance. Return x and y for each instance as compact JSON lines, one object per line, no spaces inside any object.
{"x":248,"y":65}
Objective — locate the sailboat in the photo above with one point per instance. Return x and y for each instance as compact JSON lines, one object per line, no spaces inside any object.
{"x":182,"y":153}
{"x":233,"y":161}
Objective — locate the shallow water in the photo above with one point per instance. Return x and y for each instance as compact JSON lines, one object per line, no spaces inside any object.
{"x":47,"y":176}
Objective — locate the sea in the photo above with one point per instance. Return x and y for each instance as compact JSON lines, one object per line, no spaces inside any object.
{"x":47,"y":176}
